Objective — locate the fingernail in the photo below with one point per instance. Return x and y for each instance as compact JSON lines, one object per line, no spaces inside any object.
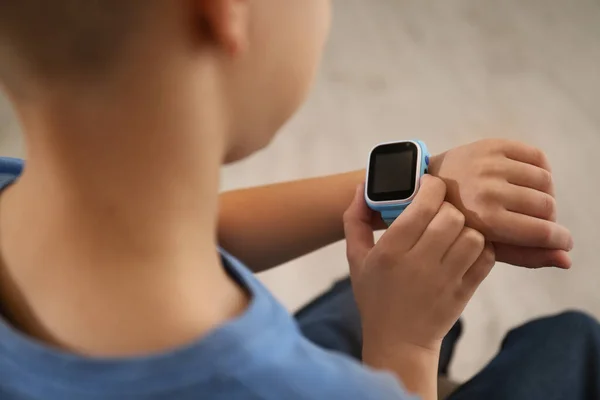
{"x":571,"y":244}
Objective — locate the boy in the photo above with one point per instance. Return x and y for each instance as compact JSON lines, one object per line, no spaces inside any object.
{"x":112,"y":285}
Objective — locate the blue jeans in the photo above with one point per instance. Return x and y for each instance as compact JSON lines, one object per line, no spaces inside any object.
{"x":553,"y":358}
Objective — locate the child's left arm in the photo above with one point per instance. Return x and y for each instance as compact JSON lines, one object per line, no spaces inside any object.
{"x":270,"y":225}
{"x":504,"y":189}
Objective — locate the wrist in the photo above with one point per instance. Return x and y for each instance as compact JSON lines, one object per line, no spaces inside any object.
{"x":416,"y":366}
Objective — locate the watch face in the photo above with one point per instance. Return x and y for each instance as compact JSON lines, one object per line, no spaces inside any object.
{"x":392,"y":172}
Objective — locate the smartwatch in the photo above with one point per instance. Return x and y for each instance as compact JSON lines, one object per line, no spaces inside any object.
{"x":393,"y":176}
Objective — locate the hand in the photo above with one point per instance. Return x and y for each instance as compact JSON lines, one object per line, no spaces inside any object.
{"x":505,"y":190}
{"x":412,"y":285}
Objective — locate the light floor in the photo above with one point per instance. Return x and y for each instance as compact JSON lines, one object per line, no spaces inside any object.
{"x":450,"y":72}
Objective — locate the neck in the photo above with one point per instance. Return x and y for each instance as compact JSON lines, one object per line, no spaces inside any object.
{"x":114,"y":218}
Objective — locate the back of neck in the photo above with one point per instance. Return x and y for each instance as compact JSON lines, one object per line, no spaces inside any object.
{"x":110,"y":232}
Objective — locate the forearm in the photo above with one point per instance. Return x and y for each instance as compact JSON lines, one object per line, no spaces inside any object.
{"x":416,"y":368}
{"x":270,"y":225}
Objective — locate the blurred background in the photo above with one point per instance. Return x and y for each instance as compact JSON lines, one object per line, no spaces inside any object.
{"x":449,"y":72}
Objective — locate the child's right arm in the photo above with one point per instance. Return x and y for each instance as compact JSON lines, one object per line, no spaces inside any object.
{"x":412,"y":285}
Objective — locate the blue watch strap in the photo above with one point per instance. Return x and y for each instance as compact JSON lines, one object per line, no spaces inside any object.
{"x":390,"y":215}
{"x":389,"y":222}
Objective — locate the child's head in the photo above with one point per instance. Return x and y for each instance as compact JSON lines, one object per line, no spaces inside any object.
{"x":260,"y":54}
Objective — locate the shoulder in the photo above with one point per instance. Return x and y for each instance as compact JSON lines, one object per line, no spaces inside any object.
{"x":271,"y":359}
{"x":305,"y":371}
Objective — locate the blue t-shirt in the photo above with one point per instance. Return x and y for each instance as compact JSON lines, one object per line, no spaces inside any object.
{"x":259,"y":355}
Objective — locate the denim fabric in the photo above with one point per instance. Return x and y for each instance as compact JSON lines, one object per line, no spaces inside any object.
{"x":554,"y":358}
{"x":332,"y":321}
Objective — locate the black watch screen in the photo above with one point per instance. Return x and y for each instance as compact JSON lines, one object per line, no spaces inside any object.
{"x":392,"y":171}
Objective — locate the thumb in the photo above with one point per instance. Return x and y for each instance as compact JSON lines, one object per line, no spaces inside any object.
{"x":357,"y":226}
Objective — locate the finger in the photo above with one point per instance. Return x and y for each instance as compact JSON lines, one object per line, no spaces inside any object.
{"x":357,"y":228}
{"x":464,"y":252}
{"x":528,"y":175}
{"x":441,"y":233}
{"x":530,"y":257}
{"x":410,"y":225}
{"x":525,"y":153}
{"x":524,"y":230}
{"x":523,"y":200}
{"x":480,"y":270}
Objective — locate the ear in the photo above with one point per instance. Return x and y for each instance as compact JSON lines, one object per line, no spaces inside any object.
{"x":227,"y":23}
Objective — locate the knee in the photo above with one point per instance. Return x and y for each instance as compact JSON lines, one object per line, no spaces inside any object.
{"x":572,"y":325}
{"x":575,"y":320}
{"x":571,"y":328}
